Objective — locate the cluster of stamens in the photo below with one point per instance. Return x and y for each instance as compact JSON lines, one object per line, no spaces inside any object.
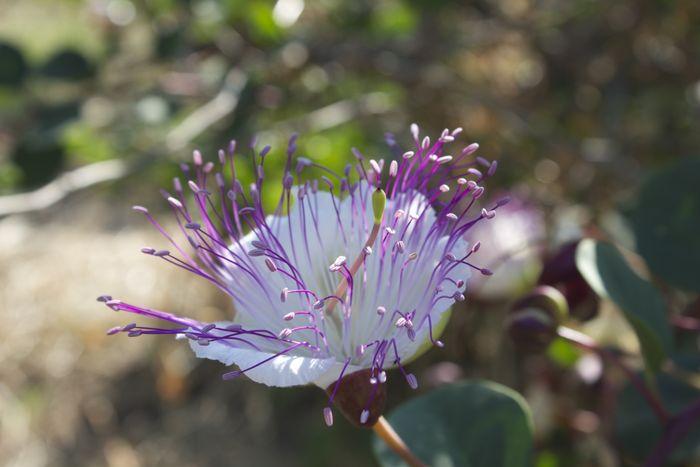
{"x":354,"y":276}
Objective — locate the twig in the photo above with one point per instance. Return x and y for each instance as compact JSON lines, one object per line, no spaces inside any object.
{"x":583,"y":341}
{"x":203,"y":117}
{"x":385,"y":431}
{"x":223,"y":104}
{"x":335,"y":114}
{"x":62,"y":186}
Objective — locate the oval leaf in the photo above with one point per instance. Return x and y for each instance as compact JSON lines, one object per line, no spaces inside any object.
{"x":667,"y":223}
{"x":471,"y":423}
{"x":608,"y":274}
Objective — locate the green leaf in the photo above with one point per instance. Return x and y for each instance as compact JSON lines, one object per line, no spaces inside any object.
{"x":637,"y":429}
{"x":609,"y":275}
{"x":467,"y":424}
{"x":667,"y":224}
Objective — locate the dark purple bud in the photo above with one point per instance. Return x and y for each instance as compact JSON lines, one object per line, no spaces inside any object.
{"x":561,"y":266}
{"x":534,"y":319}
{"x":352,"y":396}
{"x":560,"y":270}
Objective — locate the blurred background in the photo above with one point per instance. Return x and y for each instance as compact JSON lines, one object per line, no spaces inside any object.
{"x":100,"y":100}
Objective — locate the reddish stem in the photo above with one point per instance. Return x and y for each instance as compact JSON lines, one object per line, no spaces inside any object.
{"x":585,"y":342}
{"x":675,"y":431}
{"x":686,"y":323}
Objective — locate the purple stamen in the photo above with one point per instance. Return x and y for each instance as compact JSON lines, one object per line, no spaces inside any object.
{"x":255,"y":256}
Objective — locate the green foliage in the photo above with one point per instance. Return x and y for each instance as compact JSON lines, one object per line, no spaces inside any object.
{"x":77,"y":87}
{"x":394,"y":19}
{"x":84,"y":144}
{"x":637,"y":430}
{"x":467,"y":424}
{"x":563,"y":353}
{"x":13,"y":66}
{"x":667,"y":224}
{"x":606,"y":271}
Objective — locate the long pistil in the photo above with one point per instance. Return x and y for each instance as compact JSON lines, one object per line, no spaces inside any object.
{"x":378,"y":203}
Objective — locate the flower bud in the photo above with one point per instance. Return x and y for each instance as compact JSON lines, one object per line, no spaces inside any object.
{"x":534,"y":319}
{"x":560,"y":270}
{"x":361,"y":402}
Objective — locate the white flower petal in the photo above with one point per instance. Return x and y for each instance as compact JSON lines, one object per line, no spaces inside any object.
{"x":282,"y":370}
{"x":331,"y":375}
